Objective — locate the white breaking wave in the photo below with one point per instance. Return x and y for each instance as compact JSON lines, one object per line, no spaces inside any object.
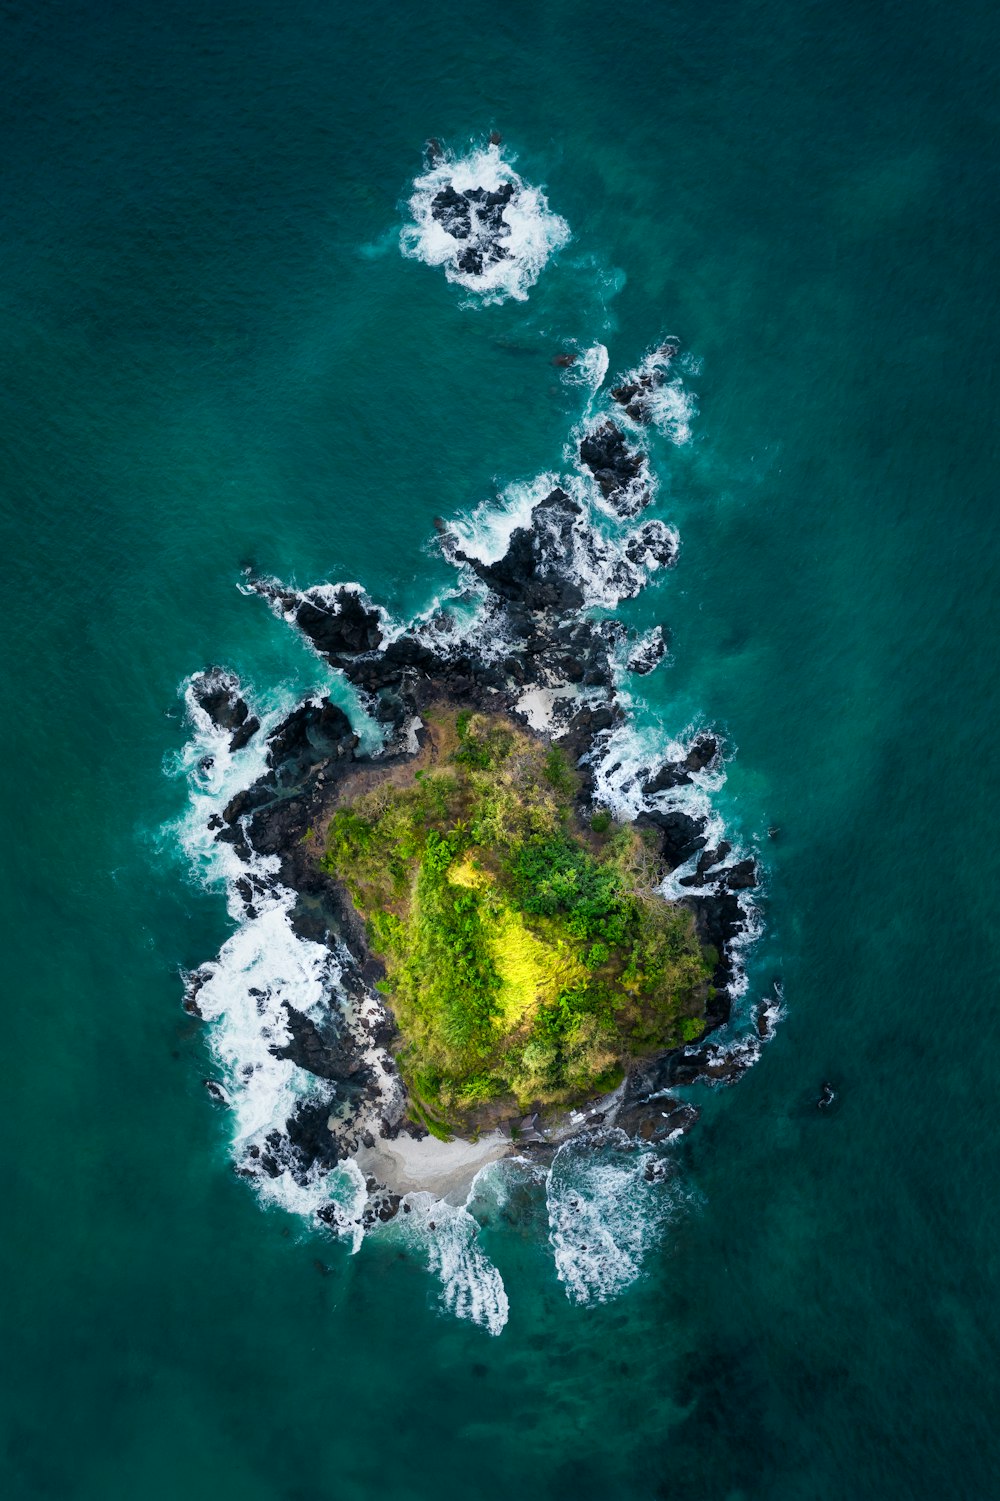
{"x":471,"y":1286}
{"x":485,"y":532}
{"x":665,"y":401}
{"x":262,"y":965}
{"x":607,"y":1206}
{"x":512,"y":251}
{"x":673,"y":409}
{"x":589,"y":369}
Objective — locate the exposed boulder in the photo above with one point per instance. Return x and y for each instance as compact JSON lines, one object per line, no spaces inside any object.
{"x":217,"y":692}
{"x":311,"y":733}
{"x":681,"y":836}
{"x":613,"y":464}
{"x":338,"y":623}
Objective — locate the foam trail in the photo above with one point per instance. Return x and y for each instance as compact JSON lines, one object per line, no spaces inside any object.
{"x":472,"y":1287}
{"x":512,"y":248}
{"x":589,"y":369}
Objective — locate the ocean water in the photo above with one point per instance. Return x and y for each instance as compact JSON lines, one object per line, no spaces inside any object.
{"x":215,"y":354}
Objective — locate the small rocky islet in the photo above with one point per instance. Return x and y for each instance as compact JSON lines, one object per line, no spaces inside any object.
{"x":505,"y":960}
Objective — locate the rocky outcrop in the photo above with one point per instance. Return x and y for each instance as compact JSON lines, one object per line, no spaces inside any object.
{"x":615,"y":466}
{"x":475,"y":218}
{"x":702,"y":755}
{"x":648,"y":653}
{"x":635,"y":393}
{"x":338,"y":621}
{"x":312,"y":733}
{"x":532,"y":571}
{"x":217,"y":692}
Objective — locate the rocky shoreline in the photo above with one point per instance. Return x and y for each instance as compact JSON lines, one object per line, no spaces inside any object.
{"x":538,"y":655}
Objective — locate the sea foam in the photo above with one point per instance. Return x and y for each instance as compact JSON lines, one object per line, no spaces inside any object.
{"x":514,"y":254}
{"x":607,"y":1206}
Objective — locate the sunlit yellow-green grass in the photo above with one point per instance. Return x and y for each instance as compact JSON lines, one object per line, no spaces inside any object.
{"x":534,"y":967}
{"x":528,"y":960}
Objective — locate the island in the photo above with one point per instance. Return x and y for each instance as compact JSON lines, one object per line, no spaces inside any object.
{"x":510,"y":941}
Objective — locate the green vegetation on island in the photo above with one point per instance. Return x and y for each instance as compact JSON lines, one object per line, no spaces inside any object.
{"x":528,"y":961}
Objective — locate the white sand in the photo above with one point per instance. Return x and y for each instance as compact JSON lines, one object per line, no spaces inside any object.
{"x":538,"y":707}
{"x":444,"y":1168}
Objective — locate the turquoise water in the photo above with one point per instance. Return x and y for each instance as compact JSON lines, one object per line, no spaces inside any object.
{"x":213,"y":354}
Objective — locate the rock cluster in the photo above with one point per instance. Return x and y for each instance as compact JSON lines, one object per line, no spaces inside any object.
{"x":476,"y":219}
{"x":217,"y":693}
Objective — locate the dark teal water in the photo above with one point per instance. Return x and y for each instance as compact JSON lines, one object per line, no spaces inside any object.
{"x":212,"y":354}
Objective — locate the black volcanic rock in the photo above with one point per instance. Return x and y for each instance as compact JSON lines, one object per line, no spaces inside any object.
{"x":610,"y":460}
{"x":451,"y":210}
{"x":326,"y":1057}
{"x":218,"y":693}
{"x":700,"y":756}
{"x":648,"y":653}
{"x":310,"y":1136}
{"x":718,"y":918}
{"x":340,"y":625}
{"x":708,"y":858}
{"x":652,"y":543}
{"x":529,"y":572}
{"x":681,"y":836}
{"x":245,"y":733}
{"x":475,"y":219}
{"x":634,"y":396}
{"x":249,"y":799}
{"x":702,"y":753}
{"x":311,"y":733}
